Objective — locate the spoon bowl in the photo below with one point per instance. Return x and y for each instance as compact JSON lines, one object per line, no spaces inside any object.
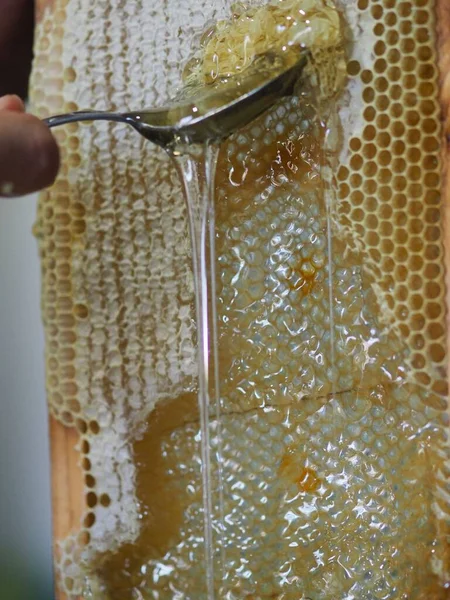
{"x":208,"y":116}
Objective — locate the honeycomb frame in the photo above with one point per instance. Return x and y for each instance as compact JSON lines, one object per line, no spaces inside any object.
{"x":67,"y":230}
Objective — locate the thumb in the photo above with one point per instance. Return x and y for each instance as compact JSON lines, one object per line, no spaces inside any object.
{"x":29,"y":155}
{"x":11,"y":102}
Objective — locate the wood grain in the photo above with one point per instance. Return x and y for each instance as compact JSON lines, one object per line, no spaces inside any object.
{"x":67,"y":485}
{"x":67,"y":480}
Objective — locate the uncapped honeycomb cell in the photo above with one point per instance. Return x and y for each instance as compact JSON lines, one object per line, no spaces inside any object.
{"x":330,"y":456}
{"x":409,"y":146}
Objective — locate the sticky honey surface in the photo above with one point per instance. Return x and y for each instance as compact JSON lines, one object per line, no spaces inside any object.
{"x":333,"y":437}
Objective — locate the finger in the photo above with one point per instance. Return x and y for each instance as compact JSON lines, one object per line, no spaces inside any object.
{"x":11,"y":102}
{"x":29,"y":155}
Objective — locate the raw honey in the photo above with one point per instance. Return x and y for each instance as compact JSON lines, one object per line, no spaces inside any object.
{"x":330,"y":456}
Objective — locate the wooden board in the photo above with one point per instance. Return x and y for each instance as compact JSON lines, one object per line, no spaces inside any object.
{"x":67,"y":485}
{"x":67,"y":478}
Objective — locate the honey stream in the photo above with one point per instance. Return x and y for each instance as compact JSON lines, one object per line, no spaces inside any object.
{"x":197,"y":172}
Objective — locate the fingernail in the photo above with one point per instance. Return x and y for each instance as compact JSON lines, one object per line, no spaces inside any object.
{"x":11,"y":102}
{"x":4,"y":101}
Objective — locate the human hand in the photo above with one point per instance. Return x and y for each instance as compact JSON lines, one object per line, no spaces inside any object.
{"x":29,"y":154}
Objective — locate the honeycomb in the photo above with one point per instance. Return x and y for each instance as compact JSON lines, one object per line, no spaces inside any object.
{"x":286,"y":28}
{"x":330,"y":477}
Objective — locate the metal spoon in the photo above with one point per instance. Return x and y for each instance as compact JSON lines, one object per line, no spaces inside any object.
{"x":212,"y":114}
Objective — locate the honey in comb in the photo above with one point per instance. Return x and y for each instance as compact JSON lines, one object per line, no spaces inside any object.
{"x":117,"y":301}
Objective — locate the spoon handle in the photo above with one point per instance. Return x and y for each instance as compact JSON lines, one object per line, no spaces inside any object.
{"x":83,"y":115}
